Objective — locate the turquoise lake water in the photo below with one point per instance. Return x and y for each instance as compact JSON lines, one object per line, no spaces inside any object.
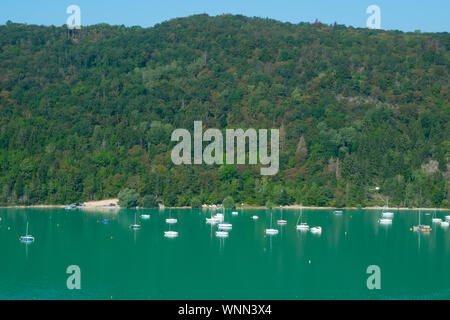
{"x":117,"y":262}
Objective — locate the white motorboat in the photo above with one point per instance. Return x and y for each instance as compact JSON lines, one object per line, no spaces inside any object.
{"x":385,"y":221}
{"x":316,"y":230}
{"x":225,"y":226}
{"x":221,"y":234}
{"x":271,"y":231}
{"x":387,"y":214}
{"x":170,"y":234}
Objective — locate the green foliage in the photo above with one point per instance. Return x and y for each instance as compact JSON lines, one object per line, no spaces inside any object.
{"x":148,"y":201}
{"x":86,"y":114}
{"x":196,"y":202}
{"x":128,"y":198}
{"x":228,"y":202}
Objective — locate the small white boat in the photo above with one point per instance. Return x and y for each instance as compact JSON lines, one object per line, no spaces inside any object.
{"x":271,"y":231}
{"x":302,"y":225}
{"x":387,"y":214}
{"x":444,"y":224}
{"x":135,"y":225}
{"x":385,"y":221}
{"x":338,"y":212}
{"x":447,"y":218}
{"x":255,"y":217}
{"x":436,"y":219}
{"x":171,"y":220}
{"x":211,"y":220}
{"x":26,"y":238}
{"x":235,"y":213}
{"x":219,"y":217}
{"x":145,"y":216}
{"x":170,"y":234}
{"x":221,"y":234}
{"x":316,"y":229}
{"x":224,"y":226}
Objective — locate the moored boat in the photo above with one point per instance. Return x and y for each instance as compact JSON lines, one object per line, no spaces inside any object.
{"x":316,"y":230}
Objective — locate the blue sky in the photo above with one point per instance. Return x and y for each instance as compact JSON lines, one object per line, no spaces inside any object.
{"x":405,"y":15}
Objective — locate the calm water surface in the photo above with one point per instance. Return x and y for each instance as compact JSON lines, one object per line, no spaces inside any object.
{"x":119,"y":263}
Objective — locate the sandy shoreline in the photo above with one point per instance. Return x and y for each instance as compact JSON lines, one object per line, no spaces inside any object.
{"x":113,"y":204}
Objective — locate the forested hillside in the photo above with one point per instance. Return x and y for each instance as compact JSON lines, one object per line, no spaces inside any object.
{"x":86,"y":113}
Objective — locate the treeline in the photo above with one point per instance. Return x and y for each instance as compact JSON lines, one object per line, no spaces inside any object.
{"x":87,"y":113}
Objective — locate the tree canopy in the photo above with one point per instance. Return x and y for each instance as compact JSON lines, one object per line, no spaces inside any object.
{"x":86,"y":113}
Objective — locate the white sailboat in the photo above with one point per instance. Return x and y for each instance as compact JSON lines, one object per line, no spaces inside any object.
{"x":171,"y":220}
{"x":218,"y":217}
{"x":212,"y":219}
{"x":435,"y":219}
{"x":135,"y":225}
{"x":271,"y":231}
{"x":221,"y":234}
{"x":302,"y":225}
{"x":223,"y":225}
{"x":387,"y":214}
{"x":170,"y":233}
{"x":26,"y":238}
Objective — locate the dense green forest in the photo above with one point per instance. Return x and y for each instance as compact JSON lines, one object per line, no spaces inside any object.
{"x":86,"y":113}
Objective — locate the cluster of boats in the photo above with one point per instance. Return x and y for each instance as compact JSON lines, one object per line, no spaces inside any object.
{"x":169,"y":221}
{"x":224,"y":227}
{"x":426,"y":228}
{"x":386,"y":218}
